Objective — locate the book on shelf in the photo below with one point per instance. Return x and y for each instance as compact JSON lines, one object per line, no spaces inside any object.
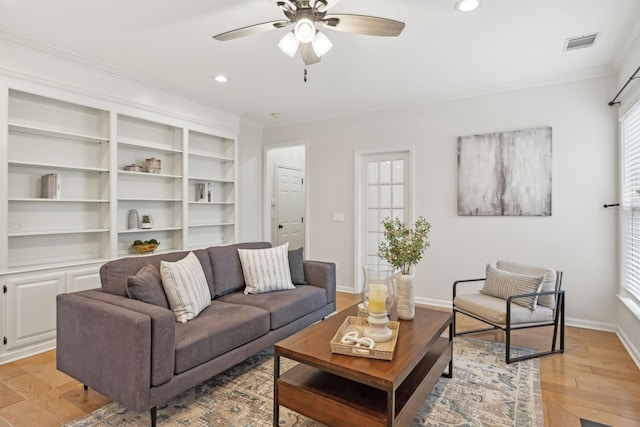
{"x":204,"y":192}
{"x":51,"y":186}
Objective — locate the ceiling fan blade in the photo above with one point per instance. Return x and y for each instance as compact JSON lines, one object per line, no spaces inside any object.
{"x":308,"y":54}
{"x":362,"y":24}
{"x":251,"y":29}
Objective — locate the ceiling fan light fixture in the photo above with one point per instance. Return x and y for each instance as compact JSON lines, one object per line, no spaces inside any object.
{"x":304,"y":30}
{"x":321,"y":44}
{"x":467,"y":5}
{"x":289,"y":44}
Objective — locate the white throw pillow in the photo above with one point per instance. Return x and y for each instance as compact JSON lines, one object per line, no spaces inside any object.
{"x":503,"y":284}
{"x":186,"y":287}
{"x":266,"y":270}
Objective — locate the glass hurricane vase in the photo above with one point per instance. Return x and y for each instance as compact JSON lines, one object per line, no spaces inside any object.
{"x":377,"y":289}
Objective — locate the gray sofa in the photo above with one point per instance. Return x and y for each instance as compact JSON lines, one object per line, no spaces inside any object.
{"x":136,"y":353}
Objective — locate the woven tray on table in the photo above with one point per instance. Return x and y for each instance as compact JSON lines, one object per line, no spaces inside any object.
{"x":382,"y":350}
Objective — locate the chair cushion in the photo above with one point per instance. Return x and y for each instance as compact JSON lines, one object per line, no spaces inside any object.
{"x":548,"y":283}
{"x":503,"y":284}
{"x":186,"y":287}
{"x":146,"y":286}
{"x":495,"y":310}
{"x":266,"y":270}
{"x":283,"y":306}
{"x":217,"y":329}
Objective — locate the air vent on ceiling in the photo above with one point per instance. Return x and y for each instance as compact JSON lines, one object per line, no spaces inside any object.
{"x":574,"y":43}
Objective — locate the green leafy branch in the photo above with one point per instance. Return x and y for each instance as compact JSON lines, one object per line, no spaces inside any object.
{"x":403,"y":246}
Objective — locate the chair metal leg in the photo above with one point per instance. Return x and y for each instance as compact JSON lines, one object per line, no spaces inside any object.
{"x":154,"y":415}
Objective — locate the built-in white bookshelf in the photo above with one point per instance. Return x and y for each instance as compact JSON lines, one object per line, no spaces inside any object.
{"x":156,"y":194}
{"x":83,"y":145}
{"x":89,"y":150}
{"x":47,"y":136}
{"x":210,"y":217}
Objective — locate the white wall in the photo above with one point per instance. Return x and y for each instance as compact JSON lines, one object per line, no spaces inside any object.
{"x":579,"y":238}
{"x":249,"y":182}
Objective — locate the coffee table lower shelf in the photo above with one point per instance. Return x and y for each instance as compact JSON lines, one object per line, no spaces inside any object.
{"x":339,"y":401}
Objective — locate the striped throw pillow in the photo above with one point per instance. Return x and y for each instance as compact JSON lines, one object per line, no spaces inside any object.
{"x":186,"y":287}
{"x":503,"y":284}
{"x":266,"y":270}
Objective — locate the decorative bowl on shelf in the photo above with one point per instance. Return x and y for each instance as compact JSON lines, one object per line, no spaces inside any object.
{"x":145,"y":248}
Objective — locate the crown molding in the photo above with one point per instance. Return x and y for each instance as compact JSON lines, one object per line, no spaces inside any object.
{"x":110,"y":70}
{"x":451,"y":96}
{"x":631,"y":43}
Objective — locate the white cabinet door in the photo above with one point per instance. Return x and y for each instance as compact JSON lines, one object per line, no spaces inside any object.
{"x":84,"y":279}
{"x":31,"y":308}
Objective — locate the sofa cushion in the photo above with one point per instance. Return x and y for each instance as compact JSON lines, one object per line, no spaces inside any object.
{"x":296,"y":266}
{"x":266,"y":270}
{"x":503,"y":284}
{"x":219,"y":328}
{"x":226,"y":266}
{"x":114,"y":274}
{"x":146,"y":286}
{"x":186,"y":287}
{"x":548,"y":283}
{"x":284,"y":306}
{"x":494,"y":310}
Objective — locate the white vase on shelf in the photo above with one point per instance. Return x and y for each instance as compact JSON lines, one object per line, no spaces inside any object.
{"x":134,"y":219}
{"x":406,"y":296}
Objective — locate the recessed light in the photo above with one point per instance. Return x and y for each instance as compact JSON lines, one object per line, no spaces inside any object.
{"x":275,"y":115}
{"x":467,"y":5}
{"x":221,"y":78}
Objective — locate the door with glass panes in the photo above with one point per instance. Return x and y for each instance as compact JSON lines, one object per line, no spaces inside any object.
{"x":385,"y":193}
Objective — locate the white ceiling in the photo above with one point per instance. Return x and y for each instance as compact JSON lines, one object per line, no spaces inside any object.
{"x":440,"y":54}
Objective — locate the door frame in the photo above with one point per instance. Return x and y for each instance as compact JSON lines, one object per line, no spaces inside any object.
{"x":267,"y":190}
{"x":359,"y":156}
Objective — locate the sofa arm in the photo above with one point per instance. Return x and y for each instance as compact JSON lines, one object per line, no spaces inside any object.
{"x":109,"y":346}
{"x":323,"y":275}
{"x":162,"y":332}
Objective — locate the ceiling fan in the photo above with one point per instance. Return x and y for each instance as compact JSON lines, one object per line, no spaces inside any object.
{"x":303,"y":15}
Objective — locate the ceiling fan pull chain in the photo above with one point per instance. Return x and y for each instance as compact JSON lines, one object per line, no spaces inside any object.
{"x":305,"y":74}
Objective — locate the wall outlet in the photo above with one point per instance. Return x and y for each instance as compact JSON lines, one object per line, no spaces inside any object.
{"x":338,"y":217}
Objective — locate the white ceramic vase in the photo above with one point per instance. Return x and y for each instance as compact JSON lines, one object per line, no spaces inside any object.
{"x":406,"y":296}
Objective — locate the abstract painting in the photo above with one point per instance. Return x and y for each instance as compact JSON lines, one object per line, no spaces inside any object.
{"x":505,"y":173}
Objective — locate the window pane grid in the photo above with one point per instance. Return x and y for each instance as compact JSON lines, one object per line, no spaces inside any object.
{"x":630,"y":132}
{"x":385,"y":198}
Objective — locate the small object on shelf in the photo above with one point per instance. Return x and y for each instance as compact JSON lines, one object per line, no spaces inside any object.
{"x":134,"y":219}
{"x":381,"y":350}
{"x":51,"y":186}
{"x":152,"y":165}
{"x":201,"y":189}
{"x":133,"y":168}
{"x":146,"y":222}
{"x":145,"y":247}
{"x":204,"y":192}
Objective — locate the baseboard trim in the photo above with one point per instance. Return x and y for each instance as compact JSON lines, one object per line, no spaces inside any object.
{"x":12,"y":356}
{"x":628,"y":344}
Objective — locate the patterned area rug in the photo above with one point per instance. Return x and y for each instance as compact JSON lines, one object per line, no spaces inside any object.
{"x":484,"y":391}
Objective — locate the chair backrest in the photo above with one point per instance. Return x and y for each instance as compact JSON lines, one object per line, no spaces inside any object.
{"x":552,"y":279}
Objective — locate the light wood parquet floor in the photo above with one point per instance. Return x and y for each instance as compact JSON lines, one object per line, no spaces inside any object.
{"x":594,"y":379}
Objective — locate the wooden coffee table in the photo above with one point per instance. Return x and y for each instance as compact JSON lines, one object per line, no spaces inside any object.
{"x":341,"y":390}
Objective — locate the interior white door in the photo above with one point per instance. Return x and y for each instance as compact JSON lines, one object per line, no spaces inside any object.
{"x":289,"y":206}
